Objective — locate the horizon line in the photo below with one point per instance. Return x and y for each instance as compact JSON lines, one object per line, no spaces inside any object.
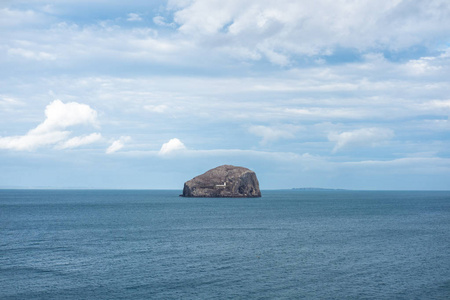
{"x":306,"y":189}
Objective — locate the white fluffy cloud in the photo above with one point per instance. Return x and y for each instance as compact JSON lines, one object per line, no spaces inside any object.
{"x":360,"y":137}
{"x":171,"y":146}
{"x":117,"y":144}
{"x":59,"y":116}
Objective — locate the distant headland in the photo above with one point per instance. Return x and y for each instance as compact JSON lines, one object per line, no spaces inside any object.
{"x":316,"y":189}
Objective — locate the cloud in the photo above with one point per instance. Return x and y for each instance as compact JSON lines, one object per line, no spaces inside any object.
{"x":419,"y":165}
{"x":10,"y":18}
{"x":229,"y":153}
{"x":272,"y":134}
{"x":161,"y":21}
{"x":210,"y":31}
{"x":422,"y":65}
{"x":6,"y":102}
{"x":117,"y":144}
{"x":275,"y":57}
{"x":59,"y":116}
{"x":171,"y":146}
{"x":32,"y":140}
{"x":105,"y":42}
{"x":80,"y":141}
{"x":309,"y":162}
{"x":156,"y":108}
{"x":440,"y":104}
{"x":273,"y":29}
{"x":360,"y":137}
{"x":29,"y":54}
{"x":249,"y":154}
{"x":133,"y":17}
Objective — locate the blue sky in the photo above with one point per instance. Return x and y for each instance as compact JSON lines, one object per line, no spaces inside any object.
{"x":148,"y":94}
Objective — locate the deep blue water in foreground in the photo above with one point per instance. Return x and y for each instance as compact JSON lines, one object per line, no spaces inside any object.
{"x":96,"y":244}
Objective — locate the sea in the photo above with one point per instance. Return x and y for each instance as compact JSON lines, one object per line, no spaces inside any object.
{"x":288,"y":244}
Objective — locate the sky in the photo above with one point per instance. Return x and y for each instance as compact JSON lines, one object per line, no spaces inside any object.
{"x":148,"y":94}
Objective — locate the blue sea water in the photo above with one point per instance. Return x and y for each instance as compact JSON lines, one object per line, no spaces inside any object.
{"x":117,"y":244}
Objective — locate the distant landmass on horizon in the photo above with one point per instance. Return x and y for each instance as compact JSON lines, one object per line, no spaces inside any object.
{"x":316,"y":189}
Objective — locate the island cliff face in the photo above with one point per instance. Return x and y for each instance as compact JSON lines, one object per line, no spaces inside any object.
{"x":223,"y":181}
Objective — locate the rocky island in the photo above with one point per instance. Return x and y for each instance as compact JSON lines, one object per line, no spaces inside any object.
{"x":223,"y":181}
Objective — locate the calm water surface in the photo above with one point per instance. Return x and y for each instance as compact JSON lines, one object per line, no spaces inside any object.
{"x":96,"y":244}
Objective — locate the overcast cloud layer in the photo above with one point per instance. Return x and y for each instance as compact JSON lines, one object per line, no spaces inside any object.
{"x":339,"y":94}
